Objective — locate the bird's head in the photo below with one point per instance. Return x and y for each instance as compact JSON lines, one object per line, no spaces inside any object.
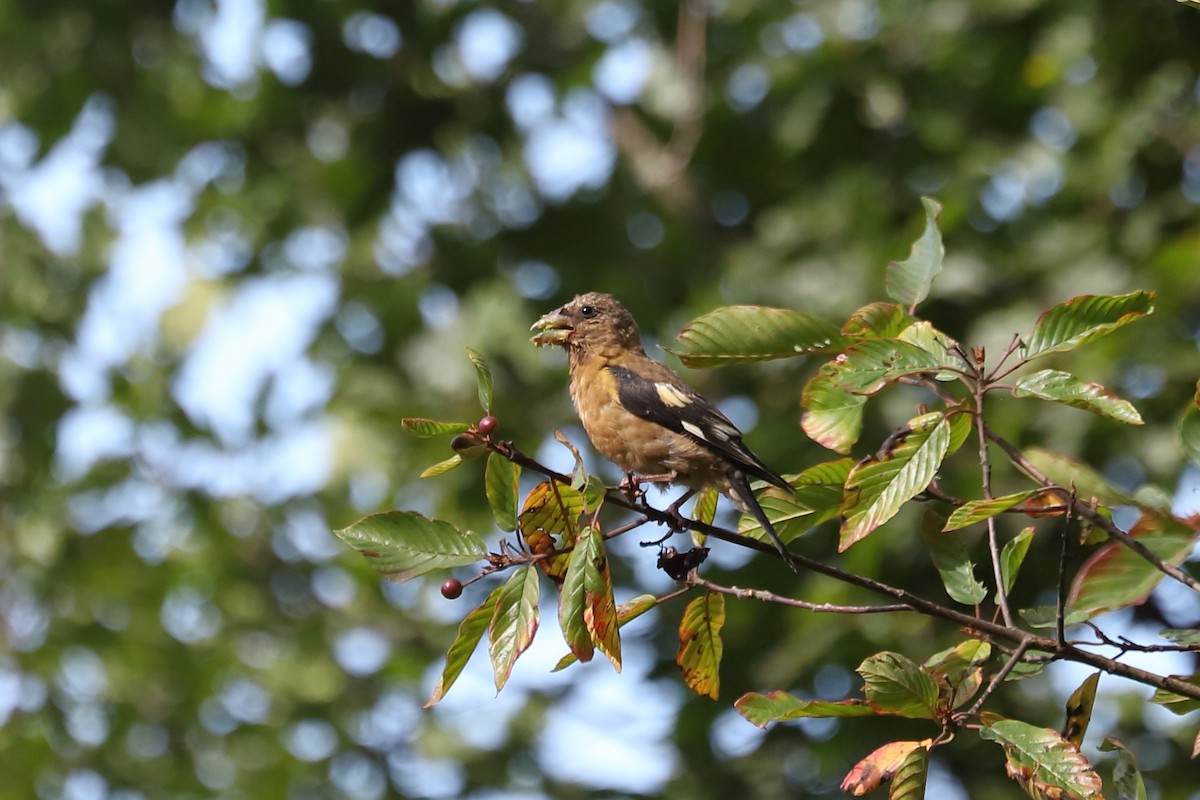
{"x":592,"y":321}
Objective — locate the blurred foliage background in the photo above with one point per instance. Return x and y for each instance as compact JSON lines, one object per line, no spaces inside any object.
{"x":239,"y":240}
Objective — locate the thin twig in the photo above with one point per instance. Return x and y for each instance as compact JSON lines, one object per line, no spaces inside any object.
{"x":999,"y":677}
{"x":985,"y":469}
{"x":1061,"y":606}
{"x":770,"y":597}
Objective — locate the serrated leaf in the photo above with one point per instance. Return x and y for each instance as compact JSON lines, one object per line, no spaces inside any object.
{"x":626,"y":612}
{"x":883,"y":762}
{"x":960,"y":668}
{"x":909,"y":781}
{"x":401,"y":545}
{"x":483,"y":377}
{"x":1063,"y":387}
{"x":908,"y":281}
{"x":877,"y":321}
{"x":1115,"y":576}
{"x":549,"y":521}
{"x":898,"y":686}
{"x":1079,"y":710}
{"x":952,"y":561}
{"x":425,"y":428}
{"x":1082,"y":319}
{"x":442,"y":467}
{"x":1067,"y":472}
{"x":514,"y":622}
{"x":978,"y":510}
{"x":1040,"y":760}
{"x":781,"y":706}
{"x":833,"y":417}
{"x":876,"y":489}
{"x":939,"y":345}
{"x":501,"y":481}
{"x":737,"y":334}
{"x":1127,"y":778}
{"x":871,"y":364}
{"x":470,"y":633}
{"x":1012,"y":556}
{"x":700,"y":646}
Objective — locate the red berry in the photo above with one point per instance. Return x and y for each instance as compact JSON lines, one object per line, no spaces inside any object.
{"x":487,"y":424}
{"x":451,"y":588}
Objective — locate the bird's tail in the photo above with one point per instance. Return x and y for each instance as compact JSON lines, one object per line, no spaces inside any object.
{"x":739,"y":487}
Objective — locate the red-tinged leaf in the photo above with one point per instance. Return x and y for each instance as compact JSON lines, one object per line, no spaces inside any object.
{"x":1079,"y":710}
{"x":1063,"y":387}
{"x":484,"y":379}
{"x":425,"y":428}
{"x":501,"y":481}
{"x":1040,"y":760}
{"x":1127,"y":778}
{"x":832,"y":416}
{"x":401,"y":545}
{"x":470,"y":632}
{"x":909,"y":281}
{"x":884,"y":762}
{"x":700,"y":646}
{"x":959,"y":670}
{"x":442,"y":467}
{"x":876,"y":489}
{"x":781,"y":706}
{"x":571,"y":605}
{"x":1115,"y":576}
{"x":909,"y":781}
{"x":1067,"y":472}
{"x":877,"y":321}
{"x":599,"y":608}
{"x":514,"y":622}
{"x":1012,"y":556}
{"x":737,"y":334}
{"x":626,"y":612}
{"x":898,"y":686}
{"x":869,"y":366}
{"x":979,"y":510}
{"x":1082,"y":319}
{"x":549,"y":521}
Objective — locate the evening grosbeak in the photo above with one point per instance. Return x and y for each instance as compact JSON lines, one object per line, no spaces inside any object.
{"x":641,"y":416}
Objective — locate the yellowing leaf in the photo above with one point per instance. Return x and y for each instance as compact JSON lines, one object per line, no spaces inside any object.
{"x":978,"y":510}
{"x":832,"y":416}
{"x":780,"y":706}
{"x":1041,"y":761}
{"x":700,"y":646}
{"x":549,"y":521}
{"x":868,"y":774}
{"x":1079,"y":710}
{"x":514,"y":622}
{"x":626,"y":612}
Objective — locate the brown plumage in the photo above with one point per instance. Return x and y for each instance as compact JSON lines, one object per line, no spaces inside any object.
{"x":641,"y":416}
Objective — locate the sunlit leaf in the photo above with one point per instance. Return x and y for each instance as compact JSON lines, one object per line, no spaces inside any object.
{"x":884,"y":762}
{"x":781,"y":706}
{"x":908,"y":281}
{"x":1040,"y":760}
{"x":1177,"y":703}
{"x":897,"y":685}
{"x":1079,"y":710}
{"x":1047,"y":616}
{"x":579,"y":473}
{"x":1063,"y":387}
{"x":514,"y":622}
{"x":832,"y":416}
{"x":442,"y":467}
{"x":961,"y":670}
{"x":1189,"y":428}
{"x":1082,"y":319}
{"x":700,"y":646}
{"x":952,"y":561}
{"x":501,"y":481}
{"x":1127,"y":778}
{"x":425,"y":428}
{"x":876,"y":489}
{"x":626,"y":612}
{"x":704,"y":509}
{"x":599,"y":608}
{"x":872,"y":364}
{"x":978,"y":510}
{"x":909,"y":780}
{"x":789,"y":517}
{"x":736,"y":334}
{"x":470,"y":633}
{"x":549,"y":521}
{"x":483,"y":377}
{"x":401,"y":545}
{"x":1067,"y":472}
{"x":571,"y":606}
{"x":1187,"y":637}
{"x":1115,"y":576}
{"x":939,"y":345}
{"x":1012,"y":556}
{"x":877,"y":321}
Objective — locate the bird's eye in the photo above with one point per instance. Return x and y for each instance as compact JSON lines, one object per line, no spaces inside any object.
{"x":588,"y":311}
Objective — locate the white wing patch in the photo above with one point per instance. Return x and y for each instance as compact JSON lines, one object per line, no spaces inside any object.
{"x":673,"y":397}
{"x":695,"y":430}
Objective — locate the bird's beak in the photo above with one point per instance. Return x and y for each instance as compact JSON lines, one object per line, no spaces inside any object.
{"x":553,"y":328}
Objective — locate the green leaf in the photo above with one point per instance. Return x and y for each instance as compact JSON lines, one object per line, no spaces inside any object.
{"x":514,"y":622}
{"x":737,"y":334}
{"x":1189,"y":428}
{"x":909,"y":781}
{"x":549,"y":521}
{"x":908,"y":281}
{"x":898,"y":686}
{"x":877,"y":321}
{"x":1047,"y":616}
{"x":978,"y":510}
{"x":484,"y":378}
{"x":790,"y":518}
{"x":833,"y":417}
{"x":1012,"y":556}
{"x":599,"y":608}
{"x":1188,"y":637}
{"x":781,"y":706}
{"x":1041,"y":761}
{"x":816,"y":498}
{"x":401,"y":545}
{"x":424,"y":428}
{"x":869,"y":366}
{"x":961,"y":671}
{"x":1063,"y":387}
{"x":1115,"y":576}
{"x":1067,"y":472}
{"x":501,"y":482}
{"x":1127,"y":778}
{"x":704,"y":509}
{"x":953,"y":562}
{"x":1082,"y":319}
{"x":944,"y":349}
{"x":876,"y":489}
{"x":442,"y":467}
{"x":470,"y":632}
{"x":962,"y":425}
{"x":571,"y":605}
{"x":626,"y":612}
{"x":1176,"y":703}
{"x":700,"y":646}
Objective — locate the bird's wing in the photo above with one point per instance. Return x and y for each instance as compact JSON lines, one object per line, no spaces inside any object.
{"x":669,"y":402}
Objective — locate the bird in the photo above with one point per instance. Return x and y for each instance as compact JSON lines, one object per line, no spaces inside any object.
{"x":645,"y":418}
